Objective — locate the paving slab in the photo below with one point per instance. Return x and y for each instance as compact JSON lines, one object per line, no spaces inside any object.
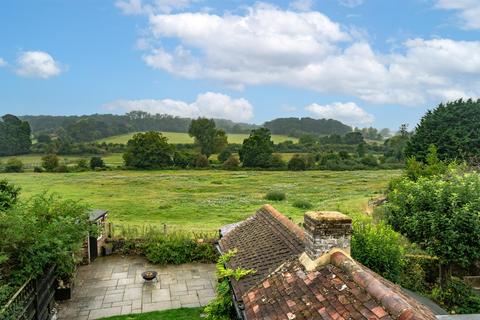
{"x":114,"y":286}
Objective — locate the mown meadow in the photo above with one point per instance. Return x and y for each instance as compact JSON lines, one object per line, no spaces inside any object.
{"x":184,"y":138}
{"x":206,"y":199}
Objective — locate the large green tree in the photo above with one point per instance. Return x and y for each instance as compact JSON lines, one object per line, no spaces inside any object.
{"x":207,"y":136}
{"x":257,"y":149}
{"x":14,"y":136}
{"x":453,"y":128}
{"x":149,"y":150}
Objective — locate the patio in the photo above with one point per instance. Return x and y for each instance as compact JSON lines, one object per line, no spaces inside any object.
{"x":114,"y":286}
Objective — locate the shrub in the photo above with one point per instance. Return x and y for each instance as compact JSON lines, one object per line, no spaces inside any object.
{"x":275,"y":195}
{"x":202,"y":161}
{"x":13,"y":165}
{"x":378,"y":247}
{"x":61,"y":169}
{"x":37,"y":169}
{"x":50,"y":162}
{"x":276,"y":162}
{"x":96,"y":162}
{"x":82,"y":165}
{"x":457,"y":297}
{"x":8,"y":194}
{"x":302,"y":204}
{"x":438,"y":212}
{"x":369,"y":160}
{"x":183,"y":159}
{"x":297,"y":163}
{"x":224,"y":155}
{"x":232,"y":163}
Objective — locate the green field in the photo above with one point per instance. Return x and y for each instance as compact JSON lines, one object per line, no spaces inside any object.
{"x":179,"y":137}
{"x":205,"y":199}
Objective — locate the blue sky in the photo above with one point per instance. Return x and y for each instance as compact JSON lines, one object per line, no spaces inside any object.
{"x":370,"y":62}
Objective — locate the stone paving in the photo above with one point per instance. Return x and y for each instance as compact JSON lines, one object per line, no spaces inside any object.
{"x":114,"y":286}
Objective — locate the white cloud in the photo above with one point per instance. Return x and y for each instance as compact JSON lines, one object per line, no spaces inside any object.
{"x":468,"y":11}
{"x":137,"y":7}
{"x":302,"y":5}
{"x":349,"y":113}
{"x":209,"y":104}
{"x":2,"y":62}
{"x":350,"y":3}
{"x":37,"y":64}
{"x":269,"y":45}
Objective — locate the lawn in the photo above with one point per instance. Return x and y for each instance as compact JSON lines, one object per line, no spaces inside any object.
{"x":179,"y":137}
{"x":176,"y":314}
{"x":205,"y":199}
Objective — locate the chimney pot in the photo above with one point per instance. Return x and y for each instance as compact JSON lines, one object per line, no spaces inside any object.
{"x":326,"y":230}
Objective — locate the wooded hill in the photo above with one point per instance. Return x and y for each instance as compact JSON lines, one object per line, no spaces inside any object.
{"x":97,"y":126}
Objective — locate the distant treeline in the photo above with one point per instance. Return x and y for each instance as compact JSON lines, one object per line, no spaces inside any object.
{"x":296,"y":127}
{"x":97,"y":126}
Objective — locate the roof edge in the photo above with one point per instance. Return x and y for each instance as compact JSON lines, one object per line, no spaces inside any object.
{"x":394,"y":303}
{"x":290,"y":225}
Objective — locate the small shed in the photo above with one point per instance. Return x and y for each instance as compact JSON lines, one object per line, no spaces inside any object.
{"x":94,"y":243}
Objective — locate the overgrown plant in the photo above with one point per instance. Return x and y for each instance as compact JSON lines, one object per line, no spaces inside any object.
{"x":221,"y":308}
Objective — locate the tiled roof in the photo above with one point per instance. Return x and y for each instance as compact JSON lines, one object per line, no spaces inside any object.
{"x":264,"y":241}
{"x":342,"y":289}
{"x":283,"y":289}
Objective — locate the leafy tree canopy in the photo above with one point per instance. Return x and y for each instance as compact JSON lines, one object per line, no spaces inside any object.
{"x":148,"y":150}
{"x":207,"y":136}
{"x":296,"y":127}
{"x":14,"y":136}
{"x":257,"y":149}
{"x":8,"y":194}
{"x":453,"y":128}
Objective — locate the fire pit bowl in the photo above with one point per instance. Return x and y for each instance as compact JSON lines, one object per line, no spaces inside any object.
{"x":149,"y":275}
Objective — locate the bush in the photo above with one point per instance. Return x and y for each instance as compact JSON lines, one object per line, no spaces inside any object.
{"x":457,"y":297}
{"x":13,"y":165}
{"x":8,"y":195}
{"x":50,"y":162}
{"x":275,"y":196}
{"x":202,"y":161}
{"x":439,"y":212}
{"x":82,"y":165}
{"x":61,"y":169}
{"x":96,"y":162}
{"x":232,"y":163}
{"x":302,"y":204}
{"x":378,"y":247}
{"x":37,"y":169}
{"x":297,"y":163}
{"x":224,"y":155}
{"x":183,"y":159}
{"x":276,"y":162}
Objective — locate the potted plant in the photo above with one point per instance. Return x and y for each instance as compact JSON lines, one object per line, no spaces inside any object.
{"x":66,"y":269}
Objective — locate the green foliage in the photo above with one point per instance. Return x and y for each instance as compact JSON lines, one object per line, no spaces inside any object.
{"x":433,"y":166}
{"x":14,"y":136}
{"x":440,"y":213}
{"x":302,"y":204}
{"x":43,"y":231}
{"x":224,"y":155}
{"x":353,"y":138}
{"x":50,"y":162}
{"x":201,"y":161}
{"x":96,"y":162}
{"x":221,"y":308}
{"x":275,"y":195}
{"x":184,"y":159}
{"x":297,"y":163}
{"x":232,"y":163}
{"x":173,"y":314}
{"x":207,"y":137}
{"x":257,"y":149}
{"x":177,"y":248}
{"x":148,"y":150}
{"x":297,"y":127}
{"x":457,"y":297}
{"x":276,"y":162}
{"x":8,"y":195}
{"x":378,"y":247}
{"x":13,"y":165}
{"x":452,"y":128}
{"x":82,"y":165}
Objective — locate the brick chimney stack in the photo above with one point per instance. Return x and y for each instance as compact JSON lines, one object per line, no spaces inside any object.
{"x":326,"y":230}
